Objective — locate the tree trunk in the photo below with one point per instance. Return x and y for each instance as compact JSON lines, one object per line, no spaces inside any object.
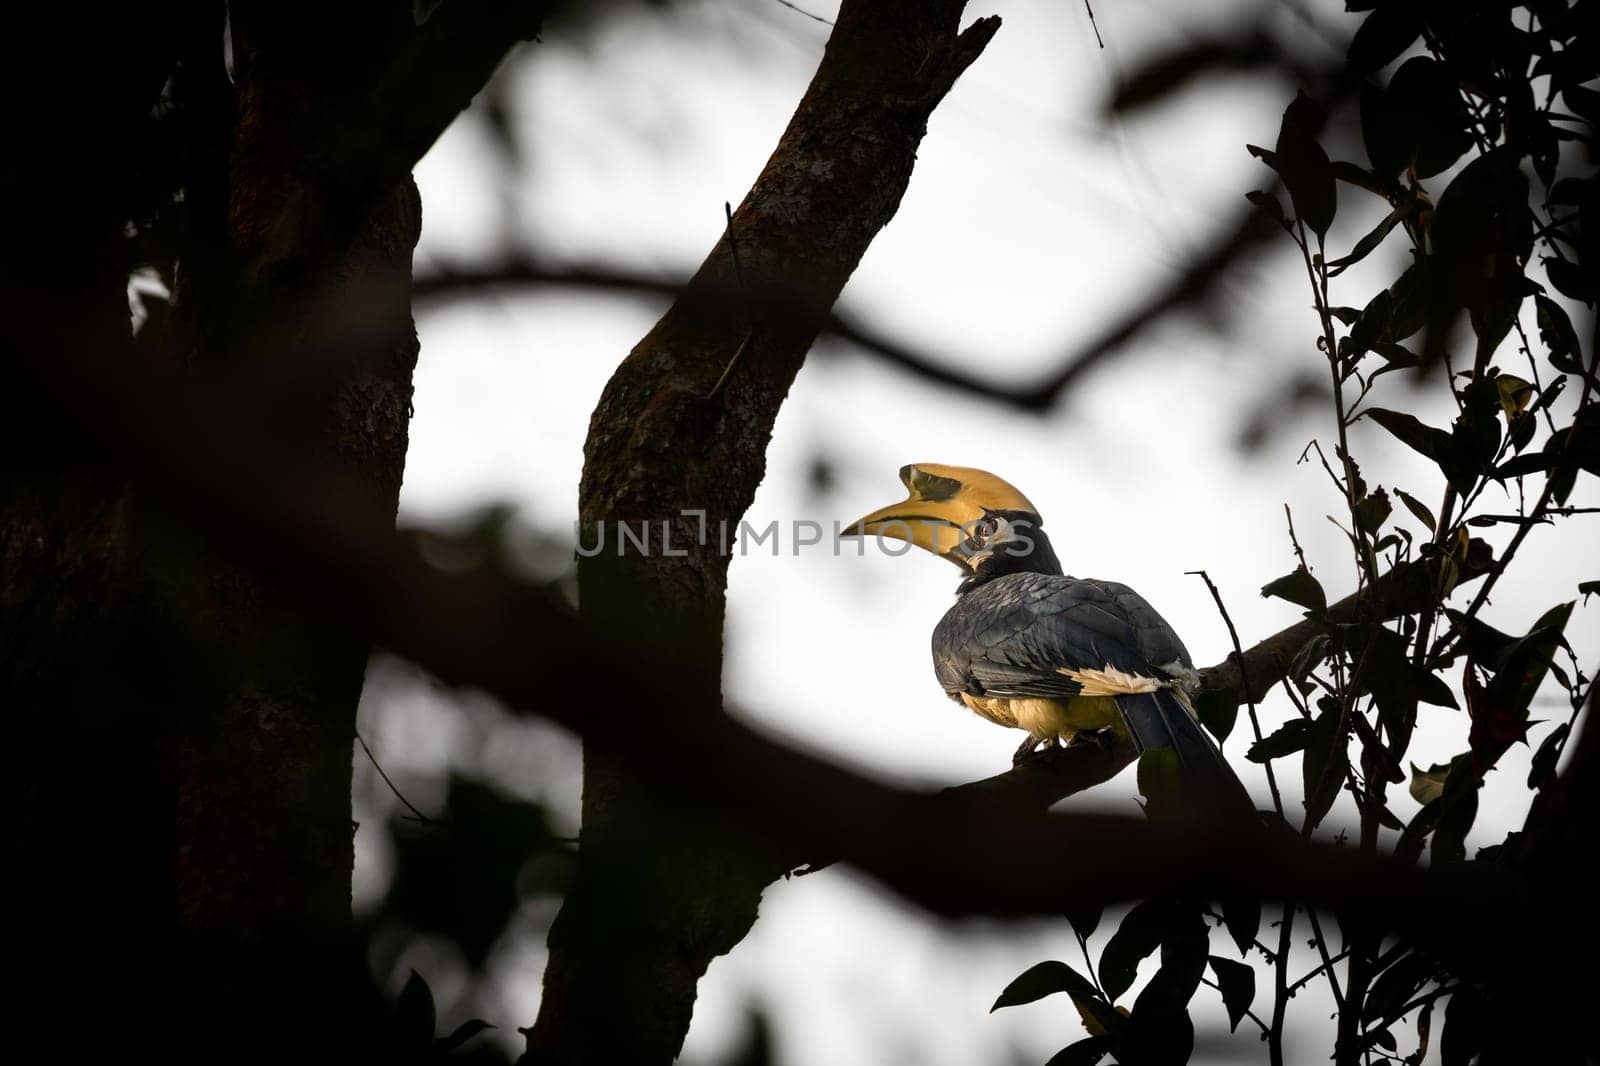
{"x":188,"y":732}
{"x":675,"y":452}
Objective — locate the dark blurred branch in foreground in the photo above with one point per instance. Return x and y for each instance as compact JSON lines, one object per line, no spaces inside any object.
{"x":953,"y":854}
{"x":1198,"y":280}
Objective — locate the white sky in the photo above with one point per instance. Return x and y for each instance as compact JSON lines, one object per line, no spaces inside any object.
{"x":1025,"y":227}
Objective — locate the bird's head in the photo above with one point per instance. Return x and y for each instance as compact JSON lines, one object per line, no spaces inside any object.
{"x":976,"y":520}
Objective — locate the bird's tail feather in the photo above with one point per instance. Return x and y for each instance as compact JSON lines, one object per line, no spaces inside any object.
{"x":1162,"y":719}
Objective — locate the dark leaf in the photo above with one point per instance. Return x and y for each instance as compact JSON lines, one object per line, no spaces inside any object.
{"x":1288,"y":739}
{"x":1544,"y":760}
{"x":1558,"y":336}
{"x":1418,"y":509}
{"x":1352,"y":470}
{"x":1464,"y":1024}
{"x":1157,"y":1036}
{"x":1159,"y":1030}
{"x":1375,"y":324}
{"x":1367,"y":244}
{"x":1266,"y":202}
{"x":1585,"y":103}
{"x":1522,"y":430}
{"x":1515,"y":395}
{"x":1140,"y":933}
{"x":1568,"y":191}
{"x":1483,"y":217}
{"x":1242,"y":918}
{"x":1183,"y":960}
{"x":1429,"y":108}
{"x":1395,"y":986}
{"x":1086,"y":1052}
{"x":1396,"y":356}
{"x":1524,"y":464}
{"x":1458,"y":807}
{"x":1323,"y":763}
{"x":1562,"y":482}
{"x":462,"y":1033}
{"x":1569,"y":280}
{"x":1360,"y":177}
{"x":1486,"y":644}
{"x":1218,"y":710}
{"x":1300,"y":588}
{"x":1386,"y":33}
{"x":1529,"y":657}
{"x":1418,"y":121}
{"x":1099,"y":1017}
{"x":1548,"y":395}
{"x":1237,"y":983}
{"x":1373,"y":511}
{"x":415,"y":1014}
{"x":1310,"y":656}
{"x":1392,"y":679}
{"x":1428,"y":785}
{"x":1412,"y":294}
{"x":1474,"y":436}
{"x":1588,"y":588}
{"x":1085,"y":920}
{"x":1424,"y":1031}
{"x":1431,"y":688}
{"x":1432,"y":443}
{"x":1041,"y":980}
{"x":1304,"y":167}
{"x":1495,"y":725}
{"x":1376,"y":759}
{"x":1385,"y":140}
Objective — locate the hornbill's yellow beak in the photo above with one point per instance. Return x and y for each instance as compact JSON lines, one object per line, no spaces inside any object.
{"x":944,"y":502}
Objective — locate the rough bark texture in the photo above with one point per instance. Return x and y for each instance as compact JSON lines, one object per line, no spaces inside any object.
{"x":189,"y":731}
{"x":264,"y":781}
{"x":683,"y":426}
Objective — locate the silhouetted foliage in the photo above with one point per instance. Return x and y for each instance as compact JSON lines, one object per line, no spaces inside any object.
{"x":1478,"y":132}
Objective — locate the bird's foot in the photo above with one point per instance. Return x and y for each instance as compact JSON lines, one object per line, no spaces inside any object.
{"x":1031,"y":747}
{"x":1104,"y":739}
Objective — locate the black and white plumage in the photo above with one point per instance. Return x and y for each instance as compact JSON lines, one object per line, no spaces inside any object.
{"x":1029,"y":647}
{"x":1056,"y":654}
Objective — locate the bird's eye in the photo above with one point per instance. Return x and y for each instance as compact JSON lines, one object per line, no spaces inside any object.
{"x":982,"y":531}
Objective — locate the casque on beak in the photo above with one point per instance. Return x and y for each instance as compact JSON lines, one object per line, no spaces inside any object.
{"x":943,"y":503}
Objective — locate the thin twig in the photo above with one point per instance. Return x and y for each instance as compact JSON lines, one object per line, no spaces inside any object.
{"x":738,"y":280}
{"x":733,"y":362}
{"x":1327,"y":961}
{"x":1092,"y":23}
{"x":1280,"y":1003}
{"x":797,"y":9}
{"x":1088,"y":964}
{"x":423,"y":818}
{"x":1312,"y":975}
{"x":1238,"y":653}
{"x":1299,"y":553}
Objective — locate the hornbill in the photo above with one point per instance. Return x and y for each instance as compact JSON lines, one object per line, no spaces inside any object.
{"x":1029,"y":647}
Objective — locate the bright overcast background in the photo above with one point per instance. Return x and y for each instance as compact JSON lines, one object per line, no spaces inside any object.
{"x":1029,"y":222}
